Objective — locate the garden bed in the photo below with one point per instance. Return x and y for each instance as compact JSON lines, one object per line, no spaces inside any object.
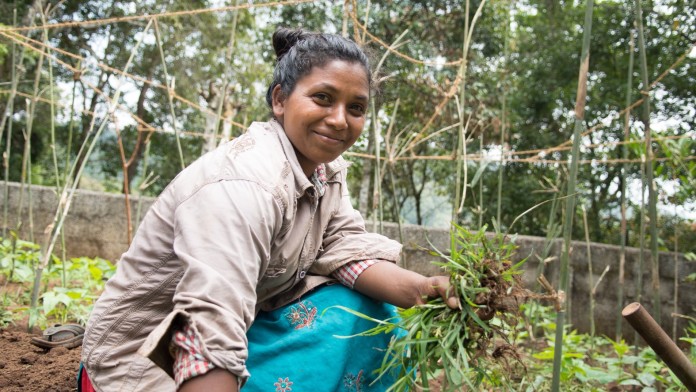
{"x":27,"y":368}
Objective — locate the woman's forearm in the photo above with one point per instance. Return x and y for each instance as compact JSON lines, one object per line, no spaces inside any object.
{"x":216,"y":380}
{"x":390,"y":283}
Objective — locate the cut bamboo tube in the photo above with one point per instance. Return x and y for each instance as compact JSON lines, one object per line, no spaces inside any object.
{"x":664,"y":347}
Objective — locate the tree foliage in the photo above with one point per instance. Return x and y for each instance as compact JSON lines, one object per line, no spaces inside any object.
{"x":524,"y":56}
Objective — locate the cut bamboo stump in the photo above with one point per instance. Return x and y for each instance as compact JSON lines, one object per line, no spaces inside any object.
{"x":664,"y":347}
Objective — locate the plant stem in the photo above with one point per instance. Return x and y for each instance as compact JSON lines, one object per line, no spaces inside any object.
{"x":570,"y":201}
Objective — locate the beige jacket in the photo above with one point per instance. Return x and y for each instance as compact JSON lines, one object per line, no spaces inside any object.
{"x":238,"y":231}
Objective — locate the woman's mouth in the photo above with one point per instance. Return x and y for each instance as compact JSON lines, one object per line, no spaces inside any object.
{"x":329,"y":139}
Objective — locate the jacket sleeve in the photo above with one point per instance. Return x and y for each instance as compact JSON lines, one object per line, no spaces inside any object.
{"x":223,"y":236}
{"x":346,"y":239}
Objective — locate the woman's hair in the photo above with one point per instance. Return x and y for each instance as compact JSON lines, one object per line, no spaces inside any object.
{"x":298,"y":51}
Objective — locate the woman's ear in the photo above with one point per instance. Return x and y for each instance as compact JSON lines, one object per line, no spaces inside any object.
{"x":278,"y":101}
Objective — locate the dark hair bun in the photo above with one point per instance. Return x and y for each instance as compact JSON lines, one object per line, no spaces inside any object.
{"x":284,"y":39}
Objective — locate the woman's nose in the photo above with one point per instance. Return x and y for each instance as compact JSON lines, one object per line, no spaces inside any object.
{"x":337,"y":118}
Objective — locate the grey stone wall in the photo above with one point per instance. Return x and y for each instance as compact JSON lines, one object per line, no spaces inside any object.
{"x":96,"y":226}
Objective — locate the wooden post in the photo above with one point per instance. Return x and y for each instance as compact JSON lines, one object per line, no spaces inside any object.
{"x":664,"y":347}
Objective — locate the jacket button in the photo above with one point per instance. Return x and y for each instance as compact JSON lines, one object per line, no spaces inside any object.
{"x":302,"y":274}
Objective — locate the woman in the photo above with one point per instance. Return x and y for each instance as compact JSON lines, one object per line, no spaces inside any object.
{"x":257,"y":230}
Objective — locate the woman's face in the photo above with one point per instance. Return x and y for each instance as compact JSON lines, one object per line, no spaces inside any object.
{"x":325,"y":113}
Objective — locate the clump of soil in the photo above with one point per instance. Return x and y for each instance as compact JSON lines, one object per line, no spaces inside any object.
{"x":25,"y":367}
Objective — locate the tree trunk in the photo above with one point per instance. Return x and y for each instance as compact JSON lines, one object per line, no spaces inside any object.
{"x":139,"y":147}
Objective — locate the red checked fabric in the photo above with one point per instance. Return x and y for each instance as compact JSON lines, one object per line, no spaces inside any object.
{"x":188,"y":362}
{"x":185,"y":345}
{"x":349,"y":273}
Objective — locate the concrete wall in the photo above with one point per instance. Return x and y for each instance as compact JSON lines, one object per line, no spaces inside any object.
{"x":96,"y":226}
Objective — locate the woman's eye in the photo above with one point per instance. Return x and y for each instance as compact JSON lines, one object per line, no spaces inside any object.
{"x":357,"y":109}
{"x":322,"y":98}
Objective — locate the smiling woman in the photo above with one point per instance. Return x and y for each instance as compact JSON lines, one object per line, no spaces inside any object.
{"x":230,"y":278}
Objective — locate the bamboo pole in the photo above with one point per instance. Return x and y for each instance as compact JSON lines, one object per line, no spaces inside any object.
{"x":377,"y":207}
{"x":9,"y":109}
{"x":664,"y":347}
{"x":225,"y":74}
{"x":28,"y":131}
{"x":480,"y":183}
{"x":377,"y":197}
{"x":652,"y":193}
{"x":590,"y":273}
{"x":461,"y":165}
{"x":170,"y":88}
{"x":54,"y":155}
{"x":675,"y":309}
{"x":52,"y":108}
{"x":503,"y":128}
{"x":641,"y":240}
{"x":570,"y":201}
{"x":144,"y":183}
{"x":624,"y":175}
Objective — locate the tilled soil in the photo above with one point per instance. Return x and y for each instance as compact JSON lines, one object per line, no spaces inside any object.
{"x":27,"y":368}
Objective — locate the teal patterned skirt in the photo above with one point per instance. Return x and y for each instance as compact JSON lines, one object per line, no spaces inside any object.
{"x":300,"y":348}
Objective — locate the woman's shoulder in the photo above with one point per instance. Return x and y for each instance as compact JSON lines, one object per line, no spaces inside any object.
{"x":258,"y":152}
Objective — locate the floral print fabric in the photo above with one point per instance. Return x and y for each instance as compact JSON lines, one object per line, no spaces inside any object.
{"x":303,"y":346}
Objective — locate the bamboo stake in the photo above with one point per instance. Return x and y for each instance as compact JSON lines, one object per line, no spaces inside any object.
{"x":652,"y":193}
{"x":28,"y":131}
{"x":503,"y":129}
{"x":377,"y":207}
{"x":344,"y":22}
{"x":144,"y":183}
{"x":460,"y":186}
{"x":8,"y":111}
{"x":377,"y":196}
{"x":52,"y":108}
{"x":390,"y":168}
{"x":71,"y":124}
{"x":460,"y":149}
{"x":480,"y":204}
{"x":675,"y":309}
{"x":170,"y":88}
{"x":54,"y":155}
{"x":641,"y":240}
{"x":570,"y":201}
{"x":624,"y":175}
{"x":664,"y":347}
{"x":590,"y":277}
{"x":225,"y":75}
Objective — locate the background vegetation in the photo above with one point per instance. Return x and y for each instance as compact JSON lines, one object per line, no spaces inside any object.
{"x":473,"y":123}
{"x":519,"y":90}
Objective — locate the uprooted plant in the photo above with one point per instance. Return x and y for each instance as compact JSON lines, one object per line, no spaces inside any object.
{"x":462,"y":347}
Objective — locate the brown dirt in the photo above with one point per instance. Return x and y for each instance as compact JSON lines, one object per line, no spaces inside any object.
{"x":25,"y":367}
